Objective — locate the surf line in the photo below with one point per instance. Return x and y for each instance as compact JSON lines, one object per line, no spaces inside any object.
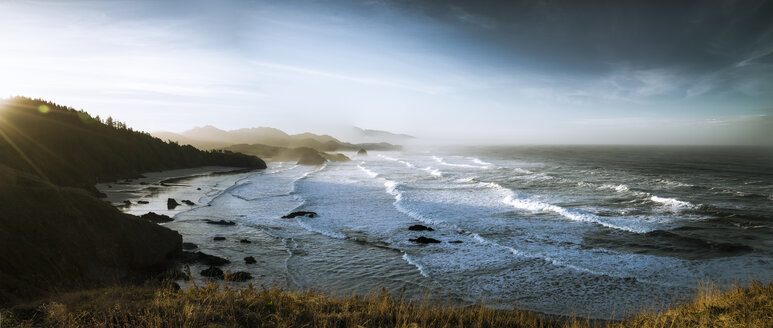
{"x":392,"y":188}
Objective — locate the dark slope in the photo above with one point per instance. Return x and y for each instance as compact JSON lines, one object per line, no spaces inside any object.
{"x":70,"y":148}
{"x":54,"y":234}
{"x":59,"y":238}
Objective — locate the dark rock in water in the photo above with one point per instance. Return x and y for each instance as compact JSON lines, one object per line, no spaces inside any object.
{"x":300,"y":213}
{"x":250,"y":260}
{"x":218,"y":238}
{"x":213,"y":272}
{"x":245,"y":241}
{"x":362,"y":152}
{"x":144,"y":183}
{"x":221,"y":222}
{"x":187,"y":202}
{"x":206,"y":259}
{"x":171,"y":203}
{"x":198,"y":188}
{"x":239,"y":276}
{"x":425,"y":240}
{"x":127,"y":202}
{"x":419,"y":227}
{"x":210,"y":260}
{"x":189,"y":246}
{"x":157,"y":218}
{"x":143,"y":202}
{"x":456,"y":242}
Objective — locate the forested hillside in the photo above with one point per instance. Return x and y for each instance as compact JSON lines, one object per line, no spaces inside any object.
{"x":71,"y":148}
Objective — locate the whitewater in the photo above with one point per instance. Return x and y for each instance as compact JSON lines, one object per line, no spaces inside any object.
{"x":595,"y":231}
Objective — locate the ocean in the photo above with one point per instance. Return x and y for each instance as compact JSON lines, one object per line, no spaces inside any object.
{"x":589,"y":231}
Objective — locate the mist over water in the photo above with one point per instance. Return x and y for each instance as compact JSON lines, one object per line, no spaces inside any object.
{"x":587,"y":230}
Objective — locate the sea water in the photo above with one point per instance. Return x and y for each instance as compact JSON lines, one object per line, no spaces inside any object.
{"x":590,"y":231}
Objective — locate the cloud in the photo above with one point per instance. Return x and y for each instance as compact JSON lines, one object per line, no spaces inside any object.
{"x":479,"y":21}
{"x":416,"y":87}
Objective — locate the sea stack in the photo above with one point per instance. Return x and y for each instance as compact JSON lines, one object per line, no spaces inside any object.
{"x":362,"y":152}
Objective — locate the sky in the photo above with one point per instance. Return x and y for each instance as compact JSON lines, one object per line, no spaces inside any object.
{"x":485,"y":72}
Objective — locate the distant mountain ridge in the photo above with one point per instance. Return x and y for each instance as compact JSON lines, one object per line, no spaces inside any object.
{"x":210,"y":137}
{"x":361,"y":135}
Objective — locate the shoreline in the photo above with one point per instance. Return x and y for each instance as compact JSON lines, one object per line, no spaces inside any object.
{"x":149,"y":192}
{"x":269,"y":238}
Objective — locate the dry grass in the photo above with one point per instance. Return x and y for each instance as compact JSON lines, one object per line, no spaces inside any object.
{"x":751,"y":306}
{"x":217,"y":306}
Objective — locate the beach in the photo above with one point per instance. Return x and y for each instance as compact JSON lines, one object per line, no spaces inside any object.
{"x":599,"y":237}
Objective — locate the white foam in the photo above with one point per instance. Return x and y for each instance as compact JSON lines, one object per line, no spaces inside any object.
{"x":672,"y":202}
{"x":393,"y":188}
{"x":673,"y":183}
{"x":479,"y":239}
{"x":618,"y":188}
{"x":414,"y":263}
{"x":396,"y":160}
{"x":304,"y":176}
{"x":537,"y":206}
{"x":433,"y":171}
{"x":479,"y":161}
{"x":280,"y":168}
{"x":522,"y":171}
{"x":441,"y":161}
{"x":367,"y":171}
{"x":496,"y":186}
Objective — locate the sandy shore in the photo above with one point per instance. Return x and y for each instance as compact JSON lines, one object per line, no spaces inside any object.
{"x":150,"y":193}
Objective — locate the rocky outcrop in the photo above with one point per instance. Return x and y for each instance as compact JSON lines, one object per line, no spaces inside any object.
{"x":213,"y":272}
{"x":187,"y":202}
{"x":156,"y":218}
{"x":171,"y":204}
{"x":250,"y":260}
{"x":300,"y":213}
{"x":189,"y":246}
{"x":362,"y":152}
{"x":206,"y":259}
{"x":311,"y":157}
{"x":425,"y":240}
{"x":419,"y":227}
{"x":221,"y":222}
